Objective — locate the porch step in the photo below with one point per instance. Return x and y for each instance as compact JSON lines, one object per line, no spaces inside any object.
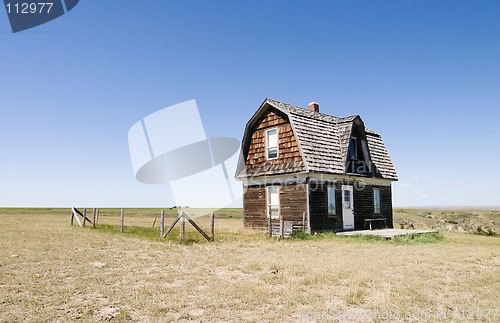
{"x":288,"y":228}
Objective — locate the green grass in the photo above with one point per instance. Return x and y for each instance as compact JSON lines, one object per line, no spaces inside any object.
{"x":486,"y":232}
{"x":419,"y":238}
{"x":145,"y":233}
{"x":400,"y":240}
{"x":151,"y":234}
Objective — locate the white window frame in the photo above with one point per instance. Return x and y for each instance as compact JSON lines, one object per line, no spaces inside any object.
{"x":328,"y":200}
{"x":377,"y":201}
{"x":268,"y":148}
{"x":268,"y":201}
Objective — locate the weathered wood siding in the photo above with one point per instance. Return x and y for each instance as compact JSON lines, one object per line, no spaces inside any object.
{"x":292,"y":199}
{"x":255,"y":207}
{"x":320,"y":220}
{"x":363,"y":206}
{"x":289,"y":158}
{"x":293,"y":202}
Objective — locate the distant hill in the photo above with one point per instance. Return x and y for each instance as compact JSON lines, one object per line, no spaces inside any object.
{"x":479,"y":220}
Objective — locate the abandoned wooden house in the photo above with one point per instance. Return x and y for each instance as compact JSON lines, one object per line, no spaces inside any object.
{"x":313,"y":171}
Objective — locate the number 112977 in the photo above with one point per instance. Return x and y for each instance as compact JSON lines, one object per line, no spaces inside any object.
{"x":29,"y":7}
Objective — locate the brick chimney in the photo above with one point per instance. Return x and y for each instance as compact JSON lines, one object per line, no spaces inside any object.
{"x":313,"y":106}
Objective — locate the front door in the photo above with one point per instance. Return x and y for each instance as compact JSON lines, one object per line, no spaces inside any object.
{"x":347,"y":207}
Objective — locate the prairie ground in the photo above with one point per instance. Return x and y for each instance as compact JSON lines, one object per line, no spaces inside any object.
{"x":51,"y":271}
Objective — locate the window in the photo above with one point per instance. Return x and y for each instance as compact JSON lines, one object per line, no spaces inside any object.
{"x":272,"y":143}
{"x":353,"y":149}
{"x":376,"y":201}
{"x":330,"y":200}
{"x":273,"y":202}
{"x":347,"y":199}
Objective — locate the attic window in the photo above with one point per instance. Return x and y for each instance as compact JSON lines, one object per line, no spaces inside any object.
{"x":353,"y":149}
{"x":272,"y":143}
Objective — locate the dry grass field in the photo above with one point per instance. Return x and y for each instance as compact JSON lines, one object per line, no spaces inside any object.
{"x":50,"y":271}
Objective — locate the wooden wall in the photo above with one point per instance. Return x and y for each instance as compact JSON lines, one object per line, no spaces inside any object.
{"x":288,"y":150}
{"x":363,"y":206}
{"x":320,"y":220}
{"x":293,"y":203}
{"x":254,"y":207}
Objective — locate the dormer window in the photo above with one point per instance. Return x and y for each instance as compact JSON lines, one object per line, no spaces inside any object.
{"x":353,"y":149}
{"x":272,"y":144}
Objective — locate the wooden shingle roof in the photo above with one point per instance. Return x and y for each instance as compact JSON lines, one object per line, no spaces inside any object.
{"x":322,"y":139}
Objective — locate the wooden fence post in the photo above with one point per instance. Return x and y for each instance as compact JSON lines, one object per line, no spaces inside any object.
{"x":304,"y":221}
{"x":212,"y":227}
{"x":75,"y":216}
{"x":94,"y":213}
{"x":270,"y":224}
{"x":162,"y":222}
{"x":84,"y":217}
{"x":183,"y":227}
{"x":122,"y":220}
{"x":282,"y":227}
{"x":72,"y":216}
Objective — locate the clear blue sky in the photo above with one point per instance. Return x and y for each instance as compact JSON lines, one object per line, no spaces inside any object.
{"x":424,"y":74}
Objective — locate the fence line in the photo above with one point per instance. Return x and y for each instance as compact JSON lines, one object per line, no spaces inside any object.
{"x":183,"y":217}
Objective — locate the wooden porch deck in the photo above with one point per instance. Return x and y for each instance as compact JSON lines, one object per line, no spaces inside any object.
{"x":386,"y":233}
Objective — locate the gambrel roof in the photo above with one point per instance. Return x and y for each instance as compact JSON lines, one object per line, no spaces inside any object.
{"x":323,"y":140}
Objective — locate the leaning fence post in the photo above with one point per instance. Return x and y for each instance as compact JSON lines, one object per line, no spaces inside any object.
{"x":162,"y":222}
{"x":72,"y":216}
{"x":94,"y":214}
{"x":84,"y":217}
{"x":212,"y":225}
{"x":122,"y":220}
